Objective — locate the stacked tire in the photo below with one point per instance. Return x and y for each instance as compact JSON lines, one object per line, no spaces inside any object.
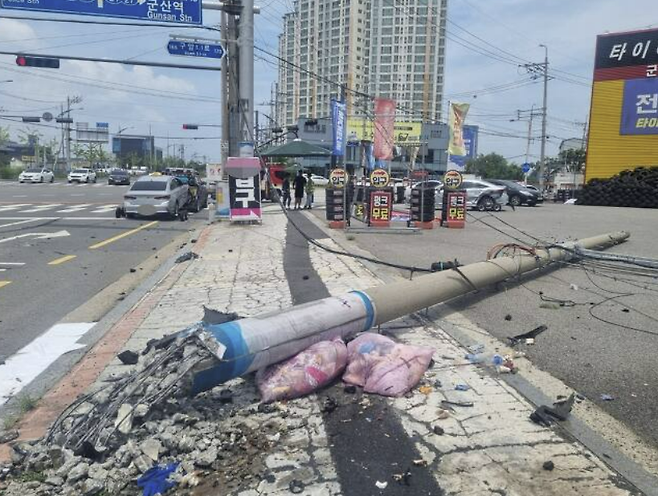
{"x":630,"y":188}
{"x":422,"y":204}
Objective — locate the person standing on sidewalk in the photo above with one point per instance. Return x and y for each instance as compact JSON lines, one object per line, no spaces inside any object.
{"x":299,"y":184}
{"x":285,"y":188}
{"x":310,"y":188}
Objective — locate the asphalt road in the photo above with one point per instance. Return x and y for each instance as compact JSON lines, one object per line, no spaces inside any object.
{"x":60,"y":245}
{"x":594,"y":357}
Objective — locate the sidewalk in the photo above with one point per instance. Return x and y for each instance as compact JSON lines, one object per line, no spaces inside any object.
{"x":304,"y":446}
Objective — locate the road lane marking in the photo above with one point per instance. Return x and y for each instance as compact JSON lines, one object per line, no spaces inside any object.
{"x":4,"y":283}
{"x":41,"y":208}
{"x":122,"y":235}
{"x":58,"y":234}
{"x":63,"y":259}
{"x":16,"y":206}
{"x":19,"y":196}
{"x":34,"y":219}
{"x":13,"y":264}
{"x":75,"y":208}
{"x":26,"y":364}
{"x":104,"y":209}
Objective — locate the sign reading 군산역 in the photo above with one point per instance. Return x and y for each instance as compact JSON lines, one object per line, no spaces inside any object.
{"x":379,"y":178}
{"x":174,"y":11}
{"x":452,"y":179}
{"x":338,"y":178}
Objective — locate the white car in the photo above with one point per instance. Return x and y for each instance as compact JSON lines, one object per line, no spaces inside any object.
{"x":82,"y":176}
{"x":319,"y":180}
{"x":36,"y":175}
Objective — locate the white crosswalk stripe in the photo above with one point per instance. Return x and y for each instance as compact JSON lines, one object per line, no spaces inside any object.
{"x":41,"y":208}
{"x":104,"y":209}
{"x":76,"y":208}
{"x":15,"y":206}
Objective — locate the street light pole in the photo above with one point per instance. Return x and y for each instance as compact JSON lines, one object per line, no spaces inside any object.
{"x":246,"y":70}
{"x":542,"y":164}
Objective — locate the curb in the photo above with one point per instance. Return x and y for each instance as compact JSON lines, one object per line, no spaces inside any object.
{"x":92,"y":363}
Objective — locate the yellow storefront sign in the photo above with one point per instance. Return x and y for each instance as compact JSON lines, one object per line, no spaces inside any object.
{"x":406,"y":133}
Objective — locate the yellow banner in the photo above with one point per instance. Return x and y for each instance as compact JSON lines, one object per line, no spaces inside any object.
{"x":406,"y":133}
{"x":458,"y":113}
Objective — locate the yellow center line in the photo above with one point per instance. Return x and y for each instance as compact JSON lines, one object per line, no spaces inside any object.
{"x":4,"y":283}
{"x":61,"y":260}
{"x":122,"y":235}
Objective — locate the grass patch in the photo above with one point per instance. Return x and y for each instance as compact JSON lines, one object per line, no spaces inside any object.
{"x":32,"y":476}
{"x":26,"y":403}
{"x":9,"y":422}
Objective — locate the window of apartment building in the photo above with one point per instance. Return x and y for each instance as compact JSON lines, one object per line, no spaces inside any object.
{"x":387,"y":49}
{"x":419,"y":58}
{"x":387,"y":21}
{"x":387,"y":31}
{"x":385,"y":77}
{"x":385,"y":59}
{"x":385,"y":68}
{"x":387,"y":40}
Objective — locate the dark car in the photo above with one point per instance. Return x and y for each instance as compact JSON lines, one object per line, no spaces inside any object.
{"x":517,"y":193}
{"x":118,"y":176}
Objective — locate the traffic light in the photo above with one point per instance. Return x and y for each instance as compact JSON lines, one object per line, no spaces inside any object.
{"x":190,"y":126}
{"x":37,"y":62}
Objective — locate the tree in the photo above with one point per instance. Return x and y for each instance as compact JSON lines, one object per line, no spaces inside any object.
{"x":493,"y":166}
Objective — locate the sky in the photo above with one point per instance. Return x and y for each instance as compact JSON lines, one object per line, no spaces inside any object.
{"x":488,"y":43}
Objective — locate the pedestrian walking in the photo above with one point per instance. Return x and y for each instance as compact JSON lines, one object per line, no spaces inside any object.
{"x":299,"y":184}
{"x":285,"y":188}
{"x":310,"y":188}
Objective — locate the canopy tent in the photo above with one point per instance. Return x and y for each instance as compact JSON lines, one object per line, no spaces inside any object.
{"x":296,"y":148}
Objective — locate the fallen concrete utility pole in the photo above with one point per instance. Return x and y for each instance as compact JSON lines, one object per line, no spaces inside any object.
{"x":250,"y":344}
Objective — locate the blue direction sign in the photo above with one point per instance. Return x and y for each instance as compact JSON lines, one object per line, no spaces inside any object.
{"x":175,"y":11}
{"x":526,"y":168}
{"x":195,"y":49}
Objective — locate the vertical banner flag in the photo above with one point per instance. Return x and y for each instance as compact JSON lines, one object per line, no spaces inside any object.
{"x":384,"y":128}
{"x":339,"y":122}
{"x":458,"y":113}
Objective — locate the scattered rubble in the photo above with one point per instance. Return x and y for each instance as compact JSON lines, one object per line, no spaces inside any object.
{"x":546,"y":415}
{"x":527,"y":337}
{"x":187,"y":256}
{"x":128,"y":357}
{"x":549,"y":465}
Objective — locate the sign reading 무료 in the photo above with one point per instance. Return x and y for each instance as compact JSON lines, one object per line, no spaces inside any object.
{"x":380,"y":206}
{"x":175,"y":11}
{"x":452,"y":179}
{"x":456,"y":214}
{"x":379,"y":178}
{"x":639,"y":113}
{"x":338,"y":178}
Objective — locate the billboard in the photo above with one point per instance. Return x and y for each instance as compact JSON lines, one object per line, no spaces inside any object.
{"x":623,"y":131}
{"x":404,"y":133}
{"x":384,"y":128}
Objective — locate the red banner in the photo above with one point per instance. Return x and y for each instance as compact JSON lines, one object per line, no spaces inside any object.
{"x":384,"y":128}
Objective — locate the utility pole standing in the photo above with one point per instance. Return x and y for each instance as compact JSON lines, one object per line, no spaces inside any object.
{"x":542,"y":164}
{"x":246,"y":70}
{"x":225,"y":92}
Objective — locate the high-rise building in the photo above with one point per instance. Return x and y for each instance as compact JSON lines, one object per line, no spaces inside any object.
{"x":407,"y":55}
{"x":387,"y":48}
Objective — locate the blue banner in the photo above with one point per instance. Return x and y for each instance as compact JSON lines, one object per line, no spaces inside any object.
{"x":175,"y":11}
{"x":639,"y":113}
{"x":339,"y":127}
{"x":470,"y":134}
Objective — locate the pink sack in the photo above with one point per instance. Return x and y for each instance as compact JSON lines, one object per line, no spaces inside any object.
{"x":308,"y":371}
{"x":382,"y":366}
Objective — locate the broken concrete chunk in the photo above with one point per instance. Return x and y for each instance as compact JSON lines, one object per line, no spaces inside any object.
{"x":124,"y":420}
{"x":151,"y":448}
{"x":128,"y":357}
{"x":78,"y":472}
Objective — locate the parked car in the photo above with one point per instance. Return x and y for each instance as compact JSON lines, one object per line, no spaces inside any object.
{"x":517,"y":193}
{"x":480,"y":194}
{"x":82,"y":176}
{"x":118,"y":176}
{"x":540,"y":197}
{"x":151,"y":195}
{"x":319,"y":180}
{"x":36,"y":175}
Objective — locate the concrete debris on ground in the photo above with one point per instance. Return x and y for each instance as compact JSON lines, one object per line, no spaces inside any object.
{"x":185,"y":257}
